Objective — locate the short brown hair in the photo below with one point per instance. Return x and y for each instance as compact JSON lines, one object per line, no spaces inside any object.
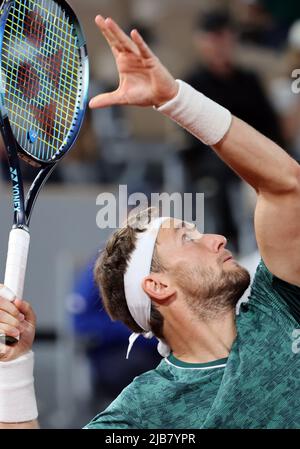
{"x":109,"y":275}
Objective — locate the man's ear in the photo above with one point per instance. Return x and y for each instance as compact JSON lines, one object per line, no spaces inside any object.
{"x":158,"y":287}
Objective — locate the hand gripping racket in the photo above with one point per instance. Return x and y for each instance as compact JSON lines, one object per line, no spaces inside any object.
{"x":43,"y":96}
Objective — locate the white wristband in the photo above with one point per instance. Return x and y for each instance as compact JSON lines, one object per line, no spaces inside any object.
{"x":202,"y":117}
{"x":17,"y":396}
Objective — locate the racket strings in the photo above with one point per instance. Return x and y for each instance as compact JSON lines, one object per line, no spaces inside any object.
{"x":41,"y":115}
{"x":30,"y":77}
{"x":46,"y":117}
{"x":18,"y":30}
{"x":18,"y":104}
{"x":53,"y":65}
{"x":42,"y":81}
{"x":57,"y":28}
{"x":28,"y":80}
{"x":43,"y":120}
{"x":34,"y":28}
{"x":35,"y":72}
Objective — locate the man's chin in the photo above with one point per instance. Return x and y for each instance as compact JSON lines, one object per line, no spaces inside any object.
{"x":236,"y":275}
{"x":231,"y":264}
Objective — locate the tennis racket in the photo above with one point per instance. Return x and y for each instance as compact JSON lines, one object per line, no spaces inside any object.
{"x":43,"y":97}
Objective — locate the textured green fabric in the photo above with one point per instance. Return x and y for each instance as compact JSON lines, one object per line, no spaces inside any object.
{"x":261,"y":384}
{"x":168,"y":397}
{"x":258,"y":386}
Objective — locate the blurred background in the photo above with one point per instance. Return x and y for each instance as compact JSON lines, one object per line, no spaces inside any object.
{"x":242,"y":54}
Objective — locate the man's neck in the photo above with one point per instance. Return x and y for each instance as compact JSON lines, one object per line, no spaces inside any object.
{"x":196,"y":341}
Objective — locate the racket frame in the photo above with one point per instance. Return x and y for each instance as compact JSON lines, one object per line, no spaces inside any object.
{"x":82,"y":93}
{"x":23,"y":208}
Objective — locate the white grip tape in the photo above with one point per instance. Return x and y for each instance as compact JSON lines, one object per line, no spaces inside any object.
{"x":16,"y":263}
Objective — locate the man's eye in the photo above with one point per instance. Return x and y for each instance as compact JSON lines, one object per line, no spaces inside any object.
{"x":186,"y":238}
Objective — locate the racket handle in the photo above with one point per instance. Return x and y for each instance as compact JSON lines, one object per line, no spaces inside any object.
{"x":16,"y":263}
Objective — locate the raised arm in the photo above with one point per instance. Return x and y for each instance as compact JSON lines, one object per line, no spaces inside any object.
{"x":275,"y":176}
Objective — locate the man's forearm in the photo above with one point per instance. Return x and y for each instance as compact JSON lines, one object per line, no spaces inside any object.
{"x":258,"y":160}
{"x":25,"y":425}
{"x":255,"y":158}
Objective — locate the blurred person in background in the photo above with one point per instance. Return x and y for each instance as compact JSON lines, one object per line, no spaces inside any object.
{"x":105,"y":342}
{"x":283,"y":13}
{"x":285,"y":98}
{"x":266,"y":23}
{"x":80,"y":166}
{"x":254,"y":23}
{"x":218,"y":76}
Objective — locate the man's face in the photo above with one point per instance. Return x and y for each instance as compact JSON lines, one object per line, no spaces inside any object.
{"x":217,"y":49}
{"x":200,"y":267}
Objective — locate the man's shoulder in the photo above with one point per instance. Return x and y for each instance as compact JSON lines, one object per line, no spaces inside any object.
{"x":262,"y":285}
{"x":273,"y":294}
{"x":145,"y":382}
{"x":266,"y":280}
{"x":128,"y":409}
{"x":149,"y":377}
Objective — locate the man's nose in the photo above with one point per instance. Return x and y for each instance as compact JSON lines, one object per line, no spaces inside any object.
{"x":215,"y":242}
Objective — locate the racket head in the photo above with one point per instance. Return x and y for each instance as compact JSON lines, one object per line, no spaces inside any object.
{"x":44,"y":77}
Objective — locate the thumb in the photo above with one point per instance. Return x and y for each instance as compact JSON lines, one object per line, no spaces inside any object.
{"x":106,"y":100}
{"x":25,"y":308}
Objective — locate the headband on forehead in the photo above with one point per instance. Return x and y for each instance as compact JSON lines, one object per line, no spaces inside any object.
{"x":139,"y":303}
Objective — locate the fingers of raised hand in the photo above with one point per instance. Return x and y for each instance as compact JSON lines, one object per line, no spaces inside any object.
{"x":115,"y":36}
{"x":105,"y":100}
{"x":110,"y":38}
{"x":141,"y":44}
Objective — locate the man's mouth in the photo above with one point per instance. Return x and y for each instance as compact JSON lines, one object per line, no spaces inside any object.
{"x":228,"y":257}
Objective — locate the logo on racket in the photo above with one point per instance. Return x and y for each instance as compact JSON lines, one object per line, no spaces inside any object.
{"x":16,"y":190}
{"x":32,"y":136}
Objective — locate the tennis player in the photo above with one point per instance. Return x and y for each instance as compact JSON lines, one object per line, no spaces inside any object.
{"x":163,"y":277}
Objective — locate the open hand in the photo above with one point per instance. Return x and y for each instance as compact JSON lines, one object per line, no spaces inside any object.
{"x":144,"y":81}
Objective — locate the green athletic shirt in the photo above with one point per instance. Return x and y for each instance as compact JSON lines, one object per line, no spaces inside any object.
{"x":258,"y":386}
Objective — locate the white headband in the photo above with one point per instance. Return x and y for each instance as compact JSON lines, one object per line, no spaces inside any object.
{"x":138,"y":301}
